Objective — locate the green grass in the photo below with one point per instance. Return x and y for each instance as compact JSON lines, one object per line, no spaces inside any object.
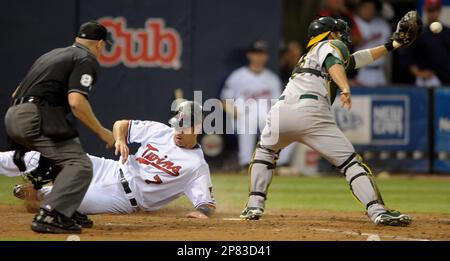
{"x":332,"y":193}
{"x":6,"y":187}
{"x":315,"y":193}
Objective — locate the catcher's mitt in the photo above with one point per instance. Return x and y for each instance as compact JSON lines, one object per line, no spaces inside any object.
{"x":408,"y":29}
{"x":29,"y":195}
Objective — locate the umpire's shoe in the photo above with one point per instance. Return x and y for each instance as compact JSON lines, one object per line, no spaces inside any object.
{"x":54,"y":222}
{"x":251,"y":213}
{"x":82,"y":220}
{"x":393,"y":218}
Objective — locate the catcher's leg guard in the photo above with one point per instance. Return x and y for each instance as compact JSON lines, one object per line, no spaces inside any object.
{"x":261,"y":171}
{"x":363,"y":186}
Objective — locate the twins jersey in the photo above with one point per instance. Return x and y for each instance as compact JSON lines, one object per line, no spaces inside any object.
{"x":161,"y":171}
{"x":244,"y":84}
{"x":374,"y":33}
{"x":305,"y":82}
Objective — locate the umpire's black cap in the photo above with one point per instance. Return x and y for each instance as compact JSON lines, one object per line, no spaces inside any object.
{"x":93,"y":30}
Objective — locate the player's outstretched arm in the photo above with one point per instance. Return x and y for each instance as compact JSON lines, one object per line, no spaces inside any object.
{"x":408,"y":29}
{"x":202,"y":212}
{"x":367,"y":56}
{"x":120,"y":130}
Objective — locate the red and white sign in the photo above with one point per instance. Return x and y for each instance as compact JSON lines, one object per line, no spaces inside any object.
{"x":155,"y":45}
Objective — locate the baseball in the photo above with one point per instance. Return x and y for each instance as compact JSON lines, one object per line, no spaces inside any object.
{"x":374,"y":237}
{"x":73,"y":238}
{"x":436,"y":27}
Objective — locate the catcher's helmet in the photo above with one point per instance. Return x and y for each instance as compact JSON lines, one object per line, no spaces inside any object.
{"x":319,"y":30}
{"x":322,"y":25}
{"x":189,"y":114}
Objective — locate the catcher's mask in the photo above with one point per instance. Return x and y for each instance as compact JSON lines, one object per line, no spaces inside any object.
{"x":189,"y":114}
{"x":321,"y":28}
{"x":344,"y":30}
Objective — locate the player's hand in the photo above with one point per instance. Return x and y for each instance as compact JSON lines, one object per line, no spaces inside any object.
{"x":106,"y":136}
{"x":346,"y":100}
{"x":196,"y":214}
{"x":122,"y":148}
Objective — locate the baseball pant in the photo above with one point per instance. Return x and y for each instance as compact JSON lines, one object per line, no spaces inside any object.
{"x":310,"y":121}
{"x":23,"y":125}
{"x":247,"y":137}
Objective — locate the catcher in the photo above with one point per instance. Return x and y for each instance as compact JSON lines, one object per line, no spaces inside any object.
{"x":303,"y":114}
{"x":168,"y":164}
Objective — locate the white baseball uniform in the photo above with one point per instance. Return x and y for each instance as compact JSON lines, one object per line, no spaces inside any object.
{"x":374,"y":33}
{"x":157,"y":174}
{"x":242,"y":86}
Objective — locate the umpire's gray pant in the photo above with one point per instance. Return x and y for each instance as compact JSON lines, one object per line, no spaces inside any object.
{"x":23,"y":125}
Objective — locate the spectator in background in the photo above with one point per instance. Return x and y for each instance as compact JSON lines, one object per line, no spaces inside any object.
{"x":374,"y":31}
{"x":289,"y":58}
{"x":338,"y":9}
{"x":251,"y":82}
{"x":429,"y":56}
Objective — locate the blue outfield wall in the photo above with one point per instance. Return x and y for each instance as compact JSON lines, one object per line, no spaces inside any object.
{"x":441,"y":162}
{"x":389,"y":127}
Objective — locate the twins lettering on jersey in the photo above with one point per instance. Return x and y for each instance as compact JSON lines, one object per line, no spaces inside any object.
{"x":155,"y":45}
{"x":258,"y":95}
{"x":149,"y":157}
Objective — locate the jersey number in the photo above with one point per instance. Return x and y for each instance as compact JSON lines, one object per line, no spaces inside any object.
{"x":156,"y":180}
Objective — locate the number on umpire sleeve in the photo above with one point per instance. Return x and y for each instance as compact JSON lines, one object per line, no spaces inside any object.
{"x":86,"y":80}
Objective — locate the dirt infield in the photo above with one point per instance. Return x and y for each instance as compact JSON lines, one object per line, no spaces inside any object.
{"x":170,"y":224}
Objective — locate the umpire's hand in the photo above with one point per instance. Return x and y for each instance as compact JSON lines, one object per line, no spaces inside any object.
{"x":106,"y":136}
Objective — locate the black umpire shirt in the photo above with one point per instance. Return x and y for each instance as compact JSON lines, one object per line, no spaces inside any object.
{"x":59,"y":72}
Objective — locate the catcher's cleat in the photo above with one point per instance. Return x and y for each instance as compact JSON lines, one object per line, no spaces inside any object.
{"x":251,"y":213}
{"x":83,"y":220}
{"x":54,"y":222}
{"x":393,"y":218}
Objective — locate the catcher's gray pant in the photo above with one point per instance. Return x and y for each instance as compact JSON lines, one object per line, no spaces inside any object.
{"x":310,"y":121}
{"x":23,"y":125}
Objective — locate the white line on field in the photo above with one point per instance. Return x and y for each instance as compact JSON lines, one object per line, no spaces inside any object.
{"x":368,"y":234}
{"x":232,"y":219}
{"x":126,"y":225}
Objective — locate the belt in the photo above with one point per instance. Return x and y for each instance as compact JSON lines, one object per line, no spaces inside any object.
{"x":25,"y":100}
{"x":303,"y":96}
{"x":31,"y":99}
{"x":126,"y":188}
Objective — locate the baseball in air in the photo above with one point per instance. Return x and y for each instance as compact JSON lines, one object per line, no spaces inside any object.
{"x":436,"y":27}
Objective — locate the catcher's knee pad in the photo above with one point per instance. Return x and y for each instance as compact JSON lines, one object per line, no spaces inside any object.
{"x":261,"y":172}
{"x":361,"y":181}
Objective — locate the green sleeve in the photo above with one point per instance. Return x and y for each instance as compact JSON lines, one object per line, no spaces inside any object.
{"x":351,"y":65}
{"x":330,"y":61}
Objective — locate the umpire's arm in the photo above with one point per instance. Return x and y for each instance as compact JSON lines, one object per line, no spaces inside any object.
{"x":83,"y":111}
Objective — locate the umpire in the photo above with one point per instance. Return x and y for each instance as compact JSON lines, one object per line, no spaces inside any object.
{"x":59,"y":83}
